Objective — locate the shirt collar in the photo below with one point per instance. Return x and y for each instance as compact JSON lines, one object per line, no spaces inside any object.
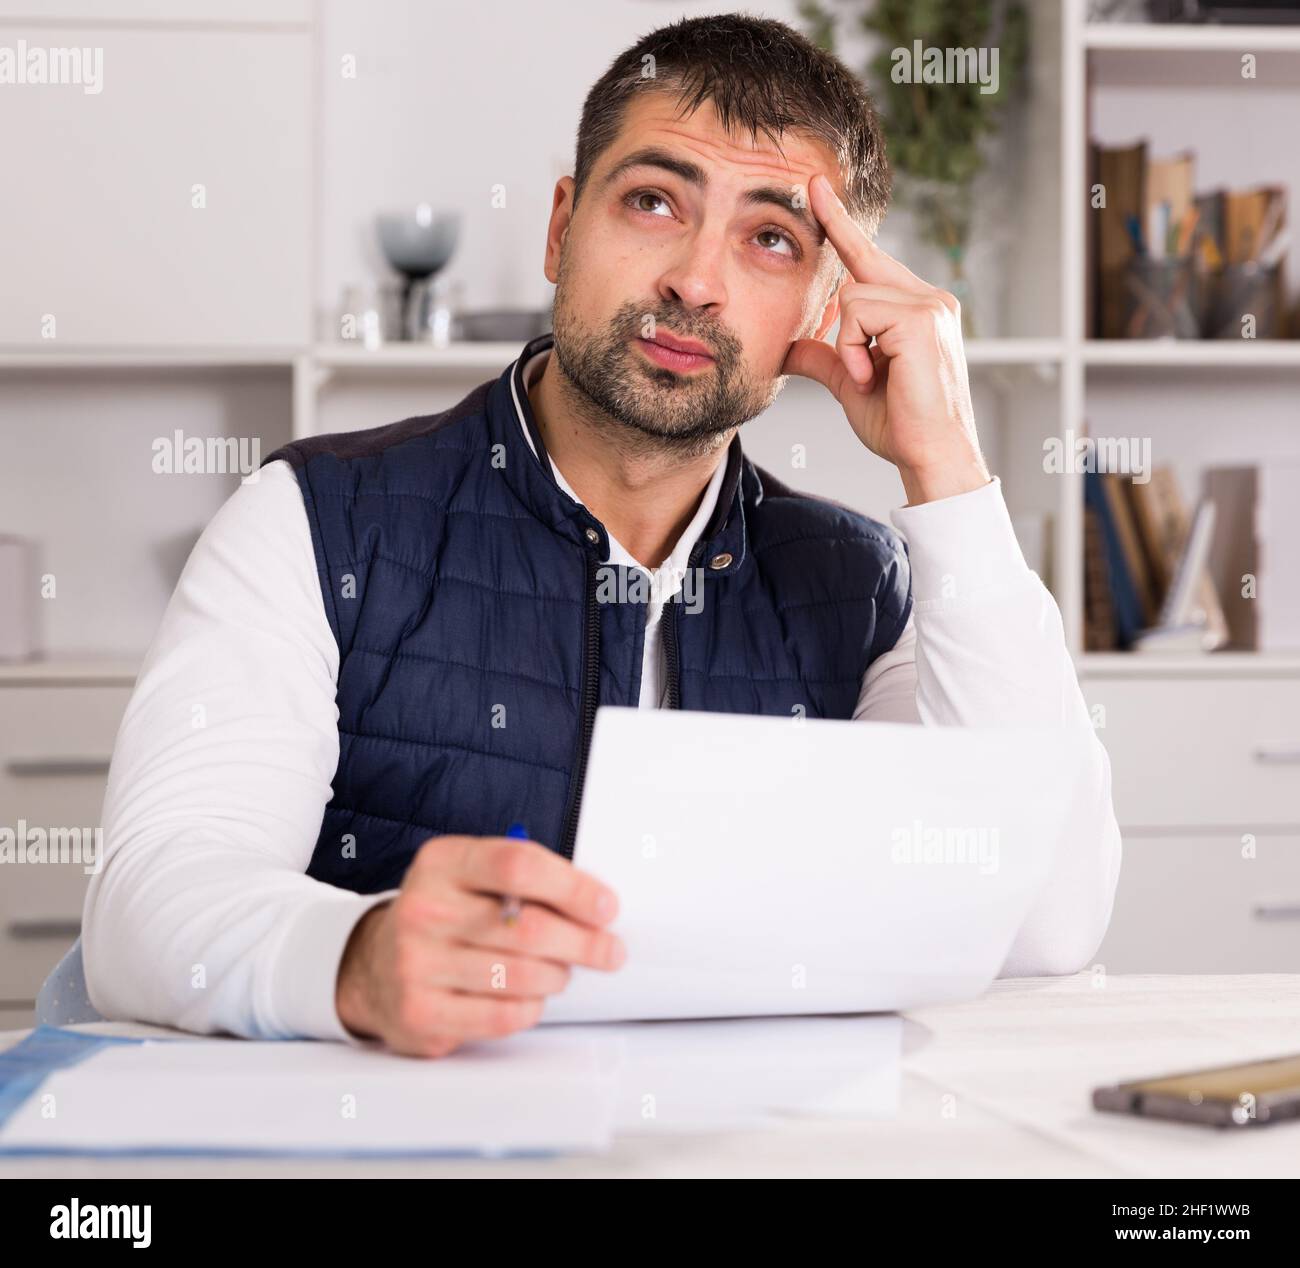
{"x":722,"y":545}
{"x":676,"y":563}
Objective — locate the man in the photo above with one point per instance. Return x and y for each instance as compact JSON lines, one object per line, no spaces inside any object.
{"x":392,"y":645}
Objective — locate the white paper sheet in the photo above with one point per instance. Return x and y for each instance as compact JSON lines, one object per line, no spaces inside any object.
{"x":531,"y":1092}
{"x":768,"y":866}
{"x":565,"y":1089}
{"x":747,"y":1073}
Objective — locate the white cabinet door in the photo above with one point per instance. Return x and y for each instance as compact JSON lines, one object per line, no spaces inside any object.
{"x":171,"y":207}
{"x":1206,"y":904}
{"x":1201,"y":756}
{"x":55,"y":746}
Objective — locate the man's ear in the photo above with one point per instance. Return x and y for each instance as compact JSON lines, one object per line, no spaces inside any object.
{"x":831,"y":313}
{"x":561,"y":216}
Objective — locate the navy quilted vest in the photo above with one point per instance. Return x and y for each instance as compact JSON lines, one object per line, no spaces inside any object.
{"x":469,"y":599}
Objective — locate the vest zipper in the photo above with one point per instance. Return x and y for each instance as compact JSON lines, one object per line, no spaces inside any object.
{"x":673,"y":698}
{"x":589,"y":697}
{"x":669,"y":618}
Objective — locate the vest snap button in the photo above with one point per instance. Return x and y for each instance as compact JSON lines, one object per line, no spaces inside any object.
{"x":720,"y":561}
{"x":592,"y":536}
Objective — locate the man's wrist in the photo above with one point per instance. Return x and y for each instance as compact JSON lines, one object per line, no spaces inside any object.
{"x":351,"y":995}
{"x":944,"y":480}
{"x":961,"y":547}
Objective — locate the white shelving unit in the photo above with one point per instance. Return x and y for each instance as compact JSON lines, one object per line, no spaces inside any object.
{"x":1203,"y":749}
{"x":1181,"y":50}
{"x":143,"y":358}
{"x":1189,"y":354}
{"x":1141,"y":37}
{"x":460,"y":356}
{"x":316,"y":368}
{"x":63,"y":671}
{"x":1065,"y":44}
{"x":1064,"y":358}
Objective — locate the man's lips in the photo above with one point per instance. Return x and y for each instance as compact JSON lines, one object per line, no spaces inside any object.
{"x":675,"y":354}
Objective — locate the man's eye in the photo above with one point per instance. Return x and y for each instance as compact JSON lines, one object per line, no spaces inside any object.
{"x":647,"y":195}
{"x":782,"y":240}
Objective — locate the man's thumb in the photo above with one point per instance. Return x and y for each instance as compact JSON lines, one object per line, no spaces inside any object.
{"x":813,"y":359}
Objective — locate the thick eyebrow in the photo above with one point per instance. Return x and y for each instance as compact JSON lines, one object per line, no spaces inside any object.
{"x":694,"y":174}
{"x":784,"y":198}
{"x":652,"y":156}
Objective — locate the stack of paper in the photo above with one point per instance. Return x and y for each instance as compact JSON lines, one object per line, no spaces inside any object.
{"x":531,"y":1093}
{"x":566,"y":1089}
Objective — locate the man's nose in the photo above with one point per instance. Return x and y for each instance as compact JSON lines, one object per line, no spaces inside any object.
{"x":696,"y":276}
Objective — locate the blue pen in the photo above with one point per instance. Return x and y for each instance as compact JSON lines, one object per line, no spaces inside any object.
{"x":1134,"y":228}
{"x":511,"y":906}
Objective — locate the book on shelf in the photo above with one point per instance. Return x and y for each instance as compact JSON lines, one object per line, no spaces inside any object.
{"x":1254,"y":556}
{"x":1165,"y":525}
{"x":1121,"y":177}
{"x":1181,"y":607}
{"x":1167,"y":261}
{"x":1278,"y":520}
{"x":1098,"y":606}
{"x":1129,"y":618}
{"x":1148,"y":556}
{"x":1118,"y":506}
{"x":1234,"y":553}
{"x":1253,"y":220}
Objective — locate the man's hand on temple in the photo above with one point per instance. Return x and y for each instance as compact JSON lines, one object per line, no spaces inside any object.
{"x":908,"y":395}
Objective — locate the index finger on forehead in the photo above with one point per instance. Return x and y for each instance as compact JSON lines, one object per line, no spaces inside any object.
{"x":865,"y":261}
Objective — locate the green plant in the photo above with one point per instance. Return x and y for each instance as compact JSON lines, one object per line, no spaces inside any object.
{"x":935,"y":132}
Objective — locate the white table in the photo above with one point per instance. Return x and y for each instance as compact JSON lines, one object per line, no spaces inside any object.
{"x":996,"y":1087}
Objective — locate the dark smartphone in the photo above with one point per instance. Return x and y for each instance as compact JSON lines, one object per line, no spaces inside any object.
{"x":1249,"y":1095}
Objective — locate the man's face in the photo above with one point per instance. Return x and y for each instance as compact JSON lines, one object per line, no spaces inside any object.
{"x":701,"y":254}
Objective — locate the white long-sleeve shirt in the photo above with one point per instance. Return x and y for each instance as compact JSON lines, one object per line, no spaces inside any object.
{"x":203,"y":917}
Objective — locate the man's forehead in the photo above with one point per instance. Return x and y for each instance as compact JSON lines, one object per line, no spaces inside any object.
{"x":658,"y":118}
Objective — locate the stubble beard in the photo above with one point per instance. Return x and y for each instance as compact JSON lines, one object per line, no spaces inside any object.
{"x":648,"y":410}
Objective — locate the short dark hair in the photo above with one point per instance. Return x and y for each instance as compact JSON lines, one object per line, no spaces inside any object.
{"x":761,"y":75}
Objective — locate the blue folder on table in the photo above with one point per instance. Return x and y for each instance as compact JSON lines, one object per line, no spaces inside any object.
{"x":73,"y":1092}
